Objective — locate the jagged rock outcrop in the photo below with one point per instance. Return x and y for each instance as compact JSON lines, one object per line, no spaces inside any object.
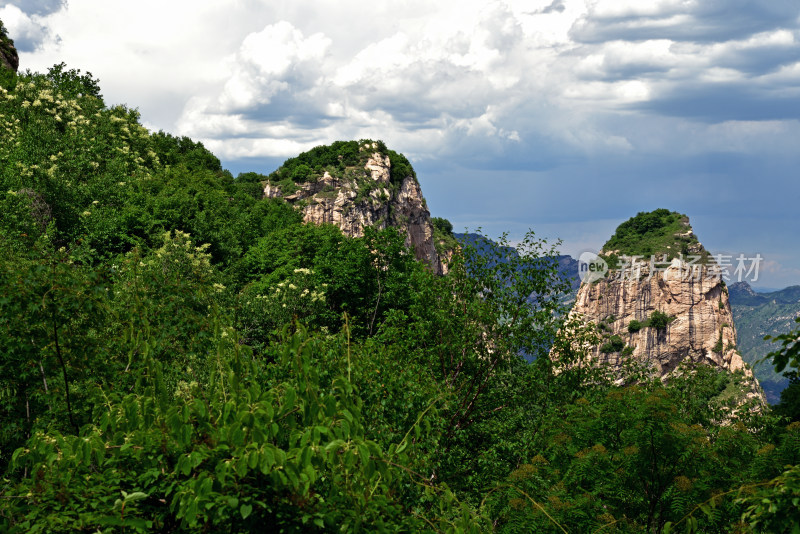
{"x":445,"y":257}
{"x":8,"y":53}
{"x":366,"y":193}
{"x":664,"y":312}
{"x":700,"y":326}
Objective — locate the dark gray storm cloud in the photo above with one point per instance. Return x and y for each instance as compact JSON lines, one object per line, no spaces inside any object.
{"x":36,"y":7}
{"x":760,"y":60}
{"x":710,"y":61}
{"x":704,"y":21}
{"x":738,"y":101}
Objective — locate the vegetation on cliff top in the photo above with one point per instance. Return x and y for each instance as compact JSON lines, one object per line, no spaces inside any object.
{"x":443,"y":238}
{"x":337,"y":157}
{"x":656,"y":233}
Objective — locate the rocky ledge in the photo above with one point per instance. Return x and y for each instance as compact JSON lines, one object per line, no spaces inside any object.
{"x":361,"y":190}
{"x":664,"y":309}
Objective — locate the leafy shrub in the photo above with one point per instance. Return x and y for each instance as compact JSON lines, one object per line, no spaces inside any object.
{"x":265,"y":309}
{"x":251,"y":177}
{"x":614,"y":344}
{"x":295,"y":455}
{"x":443,"y":225}
{"x":173,"y":150}
{"x":401,"y":168}
{"x":300,"y":173}
{"x":634,"y":326}
{"x":659,"y":320}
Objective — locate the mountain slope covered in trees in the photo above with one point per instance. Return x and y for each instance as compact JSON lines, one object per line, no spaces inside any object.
{"x":763,"y":314}
{"x":181,"y":355}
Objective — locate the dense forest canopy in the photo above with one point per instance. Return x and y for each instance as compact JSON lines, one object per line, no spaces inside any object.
{"x":181,"y":355}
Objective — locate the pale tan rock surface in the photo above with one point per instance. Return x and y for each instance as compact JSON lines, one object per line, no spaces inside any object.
{"x":693,"y":295}
{"x":365,"y":197}
{"x":701,"y":329}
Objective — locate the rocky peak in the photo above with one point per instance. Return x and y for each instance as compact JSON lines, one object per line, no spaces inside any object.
{"x":355,"y":184}
{"x":741,"y":291}
{"x":663,"y":300}
{"x":8,"y":53}
{"x":379,"y":165}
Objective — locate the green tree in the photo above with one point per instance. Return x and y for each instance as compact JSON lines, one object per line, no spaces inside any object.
{"x":659,"y":320}
{"x":238,"y":455}
{"x":627,"y":459}
{"x":472,"y":330}
{"x":51,"y":312}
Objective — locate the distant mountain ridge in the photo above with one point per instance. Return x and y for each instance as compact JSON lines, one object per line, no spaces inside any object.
{"x":747,"y":296}
{"x":763,"y":314}
{"x":567,"y":265}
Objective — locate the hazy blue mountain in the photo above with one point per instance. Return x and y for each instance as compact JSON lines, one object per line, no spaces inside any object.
{"x":760,"y":314}
{"x":567,"y":265}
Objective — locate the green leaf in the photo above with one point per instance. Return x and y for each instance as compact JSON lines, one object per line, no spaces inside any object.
{"x":135,"y":496}
{"x":252,"y":459}
{"x":266,"y":460}
{"x":191,"y":513}
{"x":289,"y":399}
{"x":245,"y":510}
{"x":241,"y":466}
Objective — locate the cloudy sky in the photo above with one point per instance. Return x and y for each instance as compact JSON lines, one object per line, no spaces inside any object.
{"x":563,"y":116}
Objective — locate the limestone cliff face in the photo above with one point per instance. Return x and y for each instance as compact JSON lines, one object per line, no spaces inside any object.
{"x":700,"y":326}
{"x":8,"y":53}
{"x":445,"y":257}
{"x":363,"y":196}
{"x":665,"y":313}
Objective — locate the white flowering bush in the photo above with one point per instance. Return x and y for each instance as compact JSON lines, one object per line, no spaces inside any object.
{"x":178,"y":256}
{"x":264,"y":309}
{"x":61,"y":141}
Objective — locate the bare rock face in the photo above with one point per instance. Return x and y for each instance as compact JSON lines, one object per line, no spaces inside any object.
{"x":700,"y":326}
{"x":8,"y":53}
{"x":445,"y":257}
{"x":363,"y":196}
{"x":379,"y":167}
{"x":410,"y":214}
{"x":666,"y":313}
